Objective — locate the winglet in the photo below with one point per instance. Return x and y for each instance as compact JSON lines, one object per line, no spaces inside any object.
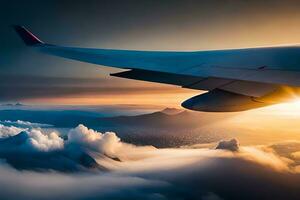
{"x":28,"y":38}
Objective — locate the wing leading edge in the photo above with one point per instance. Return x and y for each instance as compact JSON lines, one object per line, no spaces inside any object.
{"x":258,"y":74}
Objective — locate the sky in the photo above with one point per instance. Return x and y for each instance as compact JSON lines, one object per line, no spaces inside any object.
{"x":33,"y":78}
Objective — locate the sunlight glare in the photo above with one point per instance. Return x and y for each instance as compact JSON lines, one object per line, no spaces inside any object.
{"x":285,"y":109}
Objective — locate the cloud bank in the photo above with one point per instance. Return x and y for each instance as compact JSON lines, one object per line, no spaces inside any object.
{"x":104,"y":167}
{"x":24,"y":124}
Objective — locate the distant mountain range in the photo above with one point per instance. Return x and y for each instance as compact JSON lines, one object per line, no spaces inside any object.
{"x":57,"y":118}
{"x":166,"y":128}
{"x":12,"y":104}
{"x":169,"y":117}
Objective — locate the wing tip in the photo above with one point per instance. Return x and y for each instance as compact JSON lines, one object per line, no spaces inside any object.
{"x":28,"y":38}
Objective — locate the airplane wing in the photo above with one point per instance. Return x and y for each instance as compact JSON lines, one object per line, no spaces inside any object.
{"x":237,"y":79}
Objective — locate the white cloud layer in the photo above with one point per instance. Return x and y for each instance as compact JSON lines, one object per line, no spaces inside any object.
{"x":142,"y":172}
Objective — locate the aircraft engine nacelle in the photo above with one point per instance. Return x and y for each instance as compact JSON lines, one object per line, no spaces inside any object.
{"x":222,"y":101}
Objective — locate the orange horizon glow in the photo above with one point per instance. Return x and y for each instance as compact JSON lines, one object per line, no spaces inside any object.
{"x":167,"y":99}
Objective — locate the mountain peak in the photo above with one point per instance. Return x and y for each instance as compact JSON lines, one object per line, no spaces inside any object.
{"x":171,"y":111}
{"x":15,"y":140}
{"x":12,"y":104}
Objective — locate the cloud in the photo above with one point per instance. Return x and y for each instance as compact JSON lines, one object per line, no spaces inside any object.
{"x":31,"y":139}
{"x":6,"y":131}
{"x":140,"y":172}
{"x":296,"y":155}
{"x":266,"y":158}
{"x":107,"y":143}
{"x":24,"y":124}
{"x":231,"y":145}
{"x":36,"y":149}
{"x":44,"y":142}
{"x":93,"y":140}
